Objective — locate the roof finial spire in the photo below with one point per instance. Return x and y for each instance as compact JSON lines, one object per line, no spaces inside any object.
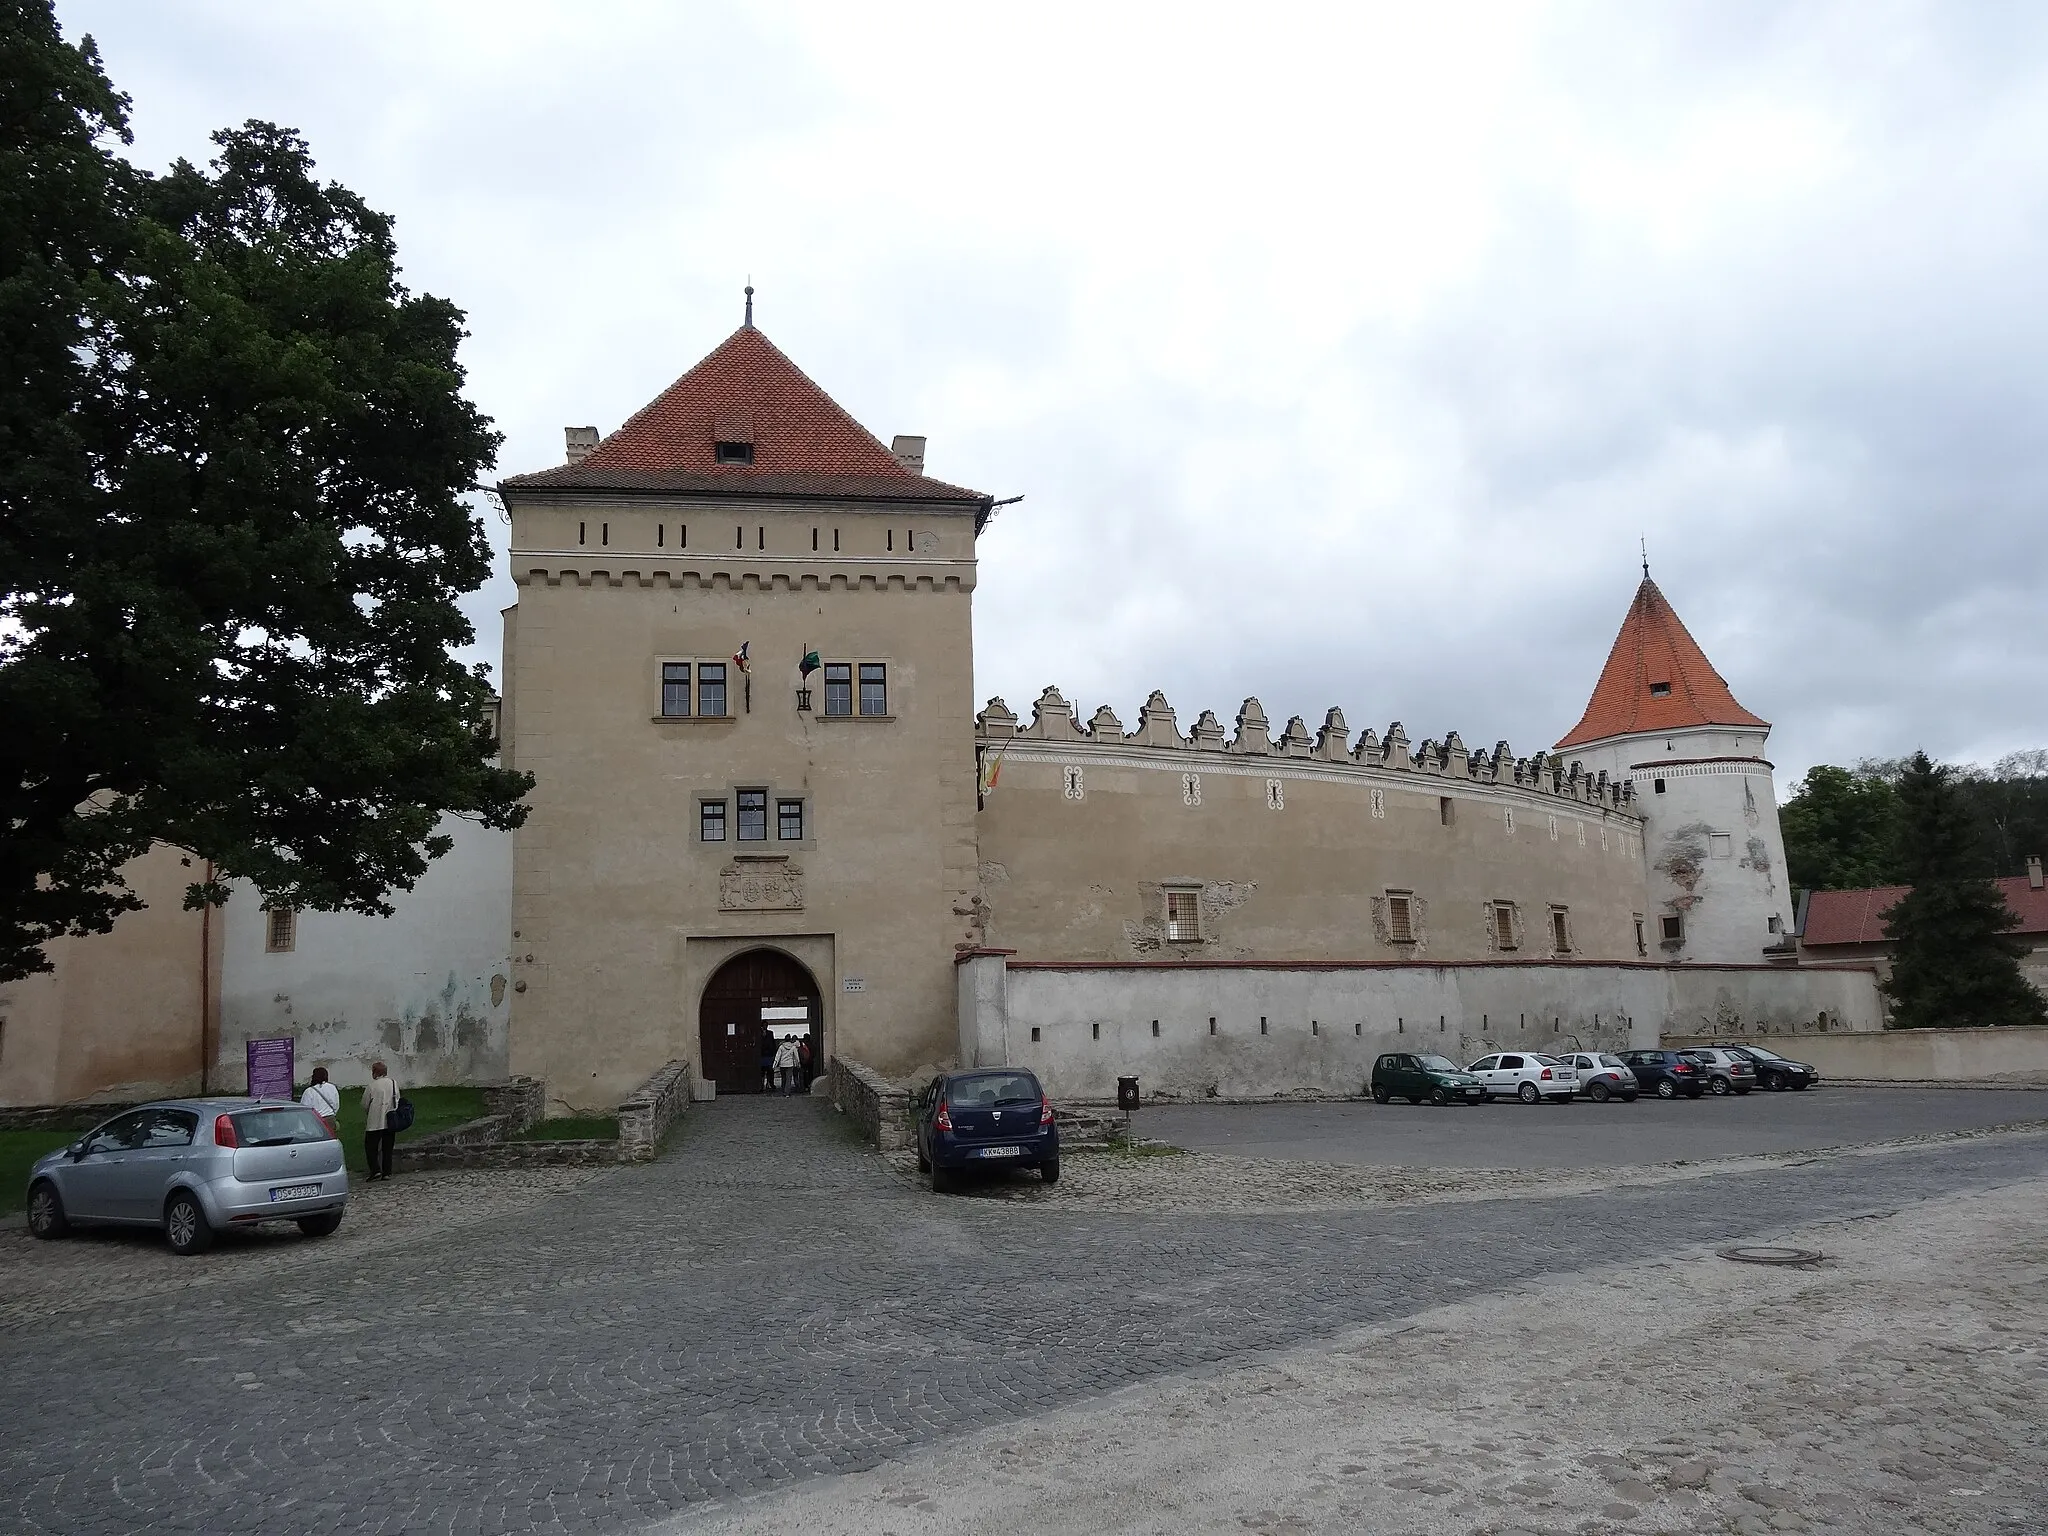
{"x":750,"y":301}
{"x":1642,"y":541}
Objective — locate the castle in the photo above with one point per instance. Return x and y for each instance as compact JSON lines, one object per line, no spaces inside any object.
{"x":740,"y":670}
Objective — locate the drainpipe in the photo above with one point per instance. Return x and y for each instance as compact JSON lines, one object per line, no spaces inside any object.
{"x":205,"y":985}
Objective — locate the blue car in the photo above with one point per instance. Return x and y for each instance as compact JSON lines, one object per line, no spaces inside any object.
{"x":997,"y":1117}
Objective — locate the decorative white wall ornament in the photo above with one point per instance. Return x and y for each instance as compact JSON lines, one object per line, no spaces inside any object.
{"x":1582,"y":834}
{"x":1379,"y":804}
{"x":1509,"y":812}
{"x":1603,"y":839}
{"x":1191,"y":789}
{"x":1553,"y":829}
{"x":1276,"y":795}
{"x":1072,"y":788}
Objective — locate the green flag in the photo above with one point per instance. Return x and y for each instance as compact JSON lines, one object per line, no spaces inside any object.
{"x":808,"y":665}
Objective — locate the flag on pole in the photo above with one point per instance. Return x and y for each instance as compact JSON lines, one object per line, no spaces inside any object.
{"x":739,"y":657}
{"x":808,"y":665}
{"x":991,"y":770}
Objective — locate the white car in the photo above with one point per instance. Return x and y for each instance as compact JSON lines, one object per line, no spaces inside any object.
{"x":1603,"y":1075}
{"x":1527,"y":1076}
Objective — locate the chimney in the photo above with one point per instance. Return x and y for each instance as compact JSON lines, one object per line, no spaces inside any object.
{"x":909,"y":453}
{"x":580,"y":441}
{"x":2034,"y":872}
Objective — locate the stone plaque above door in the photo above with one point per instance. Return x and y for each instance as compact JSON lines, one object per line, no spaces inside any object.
{"x":763,"y":883}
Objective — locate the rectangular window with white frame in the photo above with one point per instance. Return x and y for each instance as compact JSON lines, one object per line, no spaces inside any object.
{"x":838,"y":688}
{"x":1504,"y":926}
{"x":874,"y":688}
{"x":789,"y":821}
{"x":1184,"y":917}
{"x":752,"y":808}
{"x":1561,"y":930}
{"x":685,"y":684}
{"x":711,"y":821}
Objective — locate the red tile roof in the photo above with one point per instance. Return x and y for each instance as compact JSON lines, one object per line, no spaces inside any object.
{"x":1857,"y":917}
{"x":1655,"y":648}
{"x":746,"y":390}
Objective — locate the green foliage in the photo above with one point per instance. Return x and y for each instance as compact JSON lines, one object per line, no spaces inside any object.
{"x":434,"y":1109}
{"x":18,"y":1153}
{"x":1841,"y":830}
{"x":1951,"y":963}
{"x":232,"y":524}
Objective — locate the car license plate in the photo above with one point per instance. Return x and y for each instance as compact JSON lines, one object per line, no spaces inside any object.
{"x":1001,"y":1152}
{"x":294,"y":1192}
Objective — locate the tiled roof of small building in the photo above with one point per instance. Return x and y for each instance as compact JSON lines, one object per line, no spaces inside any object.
{"x":1857,"y":917}
{"x":804,"y":443}
{"x":1654,"y":648}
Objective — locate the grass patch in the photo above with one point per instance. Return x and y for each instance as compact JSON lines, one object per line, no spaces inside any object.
{"x":434,"y":1109}
{"x":573,"y":1128}
{"x":18,"y":1153}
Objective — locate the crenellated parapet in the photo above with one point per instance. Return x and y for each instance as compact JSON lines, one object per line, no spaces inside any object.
{"x":1053,"y":720}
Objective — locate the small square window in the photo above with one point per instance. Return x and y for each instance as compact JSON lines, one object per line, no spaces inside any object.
{"x":1660,"y":690}
{"x":734,"y":453}
{"x":1183,"y":915}
{"x":711,"y":820}
{"x":711,"y":688}
{"x":874,"y":688}
{"x":789,"y":820}
{"x":753,"y":815}
{"x":1721,"y":845}
{"x":281,"y":930}
{"x":675,"y":688}
{"x":838,"y":688}
{"x":1673,"y":927}
{"x":1657,"y":785}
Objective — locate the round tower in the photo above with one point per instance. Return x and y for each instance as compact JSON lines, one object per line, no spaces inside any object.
{"x":1664,"y":719}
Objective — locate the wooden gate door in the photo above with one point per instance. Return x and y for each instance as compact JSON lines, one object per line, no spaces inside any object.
{"x":729,"y":1029}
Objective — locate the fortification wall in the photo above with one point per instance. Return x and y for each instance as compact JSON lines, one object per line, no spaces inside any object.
{"x":1301,"y":848}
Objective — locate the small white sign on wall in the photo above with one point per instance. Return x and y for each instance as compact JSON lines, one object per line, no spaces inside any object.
{"x":732,"y":1029}
{"x":855,"y":984}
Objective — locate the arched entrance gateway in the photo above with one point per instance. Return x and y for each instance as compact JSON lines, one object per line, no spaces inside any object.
{"x":750,"y":1000}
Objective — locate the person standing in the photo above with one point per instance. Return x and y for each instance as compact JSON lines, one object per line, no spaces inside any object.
{"x":322,"y":1097}
{"x":380,"y":1099}
{"x":786,"y":1059}
{"x":803,"y":1063}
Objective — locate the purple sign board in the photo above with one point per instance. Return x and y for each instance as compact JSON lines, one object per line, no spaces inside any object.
{"x":270,"y":1068}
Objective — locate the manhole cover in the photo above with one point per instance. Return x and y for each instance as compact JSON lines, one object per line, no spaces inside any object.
{"x":1765,"y":1255}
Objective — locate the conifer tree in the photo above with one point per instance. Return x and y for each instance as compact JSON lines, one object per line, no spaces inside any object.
{"x":1951,"y":962}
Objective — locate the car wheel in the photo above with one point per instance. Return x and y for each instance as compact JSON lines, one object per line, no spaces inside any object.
{"x":1380,"y":1095}
{"x":1598,"y":1093}
{"x":1049,"y":1170}
{"x":1527,"y":1093}
{"x":1718,"y":1086}
{"x":1438,"y":1097}
{"x":185,"y":1225}
{"x":1772,"y":1081}
{"x":320,"y":1226}
{"x":1666,"y":1089}
{"x":46,"y":1216}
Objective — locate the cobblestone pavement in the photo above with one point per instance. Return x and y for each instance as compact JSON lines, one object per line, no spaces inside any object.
{"x":765,"y":1304}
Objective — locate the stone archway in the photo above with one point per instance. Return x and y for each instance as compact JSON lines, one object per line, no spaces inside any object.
{"x":730,"y":1022}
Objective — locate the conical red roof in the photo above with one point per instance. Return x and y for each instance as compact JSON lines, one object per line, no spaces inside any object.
{"x":1657,"y":679}
{"x":747,"y":391}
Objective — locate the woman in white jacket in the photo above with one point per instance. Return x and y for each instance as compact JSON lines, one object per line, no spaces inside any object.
{"x":380,"y":1098}
{"x":321,"y":1096}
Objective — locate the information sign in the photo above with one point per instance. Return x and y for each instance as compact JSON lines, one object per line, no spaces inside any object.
{"x":270,"y":1068}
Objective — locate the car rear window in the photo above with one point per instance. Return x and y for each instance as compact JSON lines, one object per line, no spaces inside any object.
{"x":995,"y":1088}
{"x":1437,"y":1064}
{"x":279,"y":1127}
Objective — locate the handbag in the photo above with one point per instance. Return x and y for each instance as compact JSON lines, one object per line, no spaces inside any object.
{"x":400,"y":1117}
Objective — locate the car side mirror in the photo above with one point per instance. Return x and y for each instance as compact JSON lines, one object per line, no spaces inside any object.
{"x":76,"y":1151}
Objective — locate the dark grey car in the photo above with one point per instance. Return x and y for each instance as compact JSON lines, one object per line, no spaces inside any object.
{"x":194,"y":1167}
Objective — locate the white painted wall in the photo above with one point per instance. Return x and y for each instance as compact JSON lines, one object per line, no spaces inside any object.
{"x":1731,"y":794}
{"x":426,"y":990}
{"x":1325,"y":1024}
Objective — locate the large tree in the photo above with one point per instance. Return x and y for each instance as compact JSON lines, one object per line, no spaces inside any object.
{"x":1841,"y":830}
{"x":1951,"y":962}
{"x":233,"y":524}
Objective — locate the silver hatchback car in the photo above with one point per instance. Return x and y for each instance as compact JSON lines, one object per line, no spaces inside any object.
{"x":194,"y":1167}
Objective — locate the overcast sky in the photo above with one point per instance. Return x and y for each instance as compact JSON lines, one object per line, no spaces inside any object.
{"x":1342,"y":354}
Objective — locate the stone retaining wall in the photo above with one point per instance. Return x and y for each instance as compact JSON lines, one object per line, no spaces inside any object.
{"x":644,"y":1118}
{"x":876,"y":1105}
{"x":431,"y":1153}
{"x":518,"y":1101}
{"x":2011,"y":1054}
{"x":60,"y":1117}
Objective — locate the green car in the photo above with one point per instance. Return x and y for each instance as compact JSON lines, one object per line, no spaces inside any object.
{"x":1438,"y":1079}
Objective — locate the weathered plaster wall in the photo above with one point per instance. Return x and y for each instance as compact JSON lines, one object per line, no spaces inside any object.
{"x":621,"y":912}
{"x":1255,"y":1031}
{"x":121,"y":1016}
{"x":426,"y":990}
{"x":2016,"y":1055}
{"x":1294,"y":845}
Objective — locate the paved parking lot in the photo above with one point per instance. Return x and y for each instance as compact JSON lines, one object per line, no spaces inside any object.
{"x":1583,"y":1134}
{"x":766,"y":1304}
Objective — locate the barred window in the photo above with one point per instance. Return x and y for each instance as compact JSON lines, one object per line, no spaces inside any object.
{"x":1400,"y":918}
{"x":1183,"y":915}
{"x":711,"y":688}
{"x":838,"y":688}
{"x":874,"y":688}
{"x":711,"y":820}
{"x":1504,"y":924}
{"x":789,"y":820}
{"x":675,"y":688}
{"x":753,"y":815}
{"x":282,"y":930}
{"x":1560,"y":930}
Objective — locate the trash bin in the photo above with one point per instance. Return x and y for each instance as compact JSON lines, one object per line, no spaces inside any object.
{"x":1127,"y":1093}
